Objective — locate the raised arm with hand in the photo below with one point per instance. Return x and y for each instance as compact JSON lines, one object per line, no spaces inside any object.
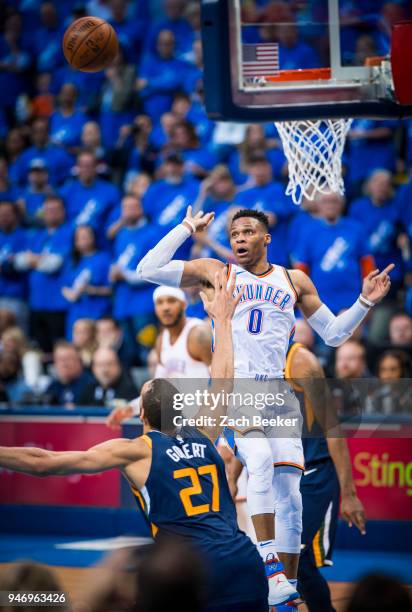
{"x":157,"y":266}
{"x":335,"y":330}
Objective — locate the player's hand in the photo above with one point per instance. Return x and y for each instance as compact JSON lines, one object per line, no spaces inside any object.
{"x":224,"y":302}
{"x":377,"y":284}
{"x":199,"y":222}
{"x":353,"y":512}
{"x":118,"y":415}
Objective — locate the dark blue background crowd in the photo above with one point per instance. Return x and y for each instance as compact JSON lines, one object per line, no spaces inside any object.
{"x":96,"y":168}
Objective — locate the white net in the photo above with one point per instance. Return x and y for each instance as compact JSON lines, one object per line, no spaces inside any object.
{"x":314,"y":153}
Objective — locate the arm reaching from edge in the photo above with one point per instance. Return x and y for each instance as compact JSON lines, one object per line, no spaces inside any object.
{"x":158,"y":267}
{"x":116,"y":453}
{"x":335,"y":330}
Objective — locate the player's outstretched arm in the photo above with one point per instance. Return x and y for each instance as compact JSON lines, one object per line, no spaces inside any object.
{"x":116,"y":453}
{"x":335,"y":330}
{"x":157,"y":266}
{"x":221,"y":309}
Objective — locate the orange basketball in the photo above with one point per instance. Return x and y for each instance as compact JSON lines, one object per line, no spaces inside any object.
{"x":90,"y":44}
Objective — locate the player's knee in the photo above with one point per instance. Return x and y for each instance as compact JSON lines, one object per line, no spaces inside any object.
{"x":260,"y":469}
{"x":292,"y":513}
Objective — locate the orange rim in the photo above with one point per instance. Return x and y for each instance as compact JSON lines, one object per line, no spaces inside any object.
{"x":312,"y":74}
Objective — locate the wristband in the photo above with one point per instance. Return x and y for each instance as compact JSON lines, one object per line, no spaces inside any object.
{"x":365,"y":302}
{"x":191,"y":224}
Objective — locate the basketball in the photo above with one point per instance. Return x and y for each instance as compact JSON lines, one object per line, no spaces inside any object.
{"x":90,"y":44}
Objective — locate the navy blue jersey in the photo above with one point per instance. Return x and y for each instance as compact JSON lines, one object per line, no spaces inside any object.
{"x":315,"y":446}
{"x":187,"y":494}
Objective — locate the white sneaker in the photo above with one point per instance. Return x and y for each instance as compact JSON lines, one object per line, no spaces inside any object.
{"x":280,"y":589}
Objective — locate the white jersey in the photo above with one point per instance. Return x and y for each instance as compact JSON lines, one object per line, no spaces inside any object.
{"x":175,"y":359}
{"x":263,"y":323}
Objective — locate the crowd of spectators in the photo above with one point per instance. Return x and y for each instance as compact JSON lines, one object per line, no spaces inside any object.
{"x":96,"y":168}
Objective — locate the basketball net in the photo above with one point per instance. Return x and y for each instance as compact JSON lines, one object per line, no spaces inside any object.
{"x":314,"y":152}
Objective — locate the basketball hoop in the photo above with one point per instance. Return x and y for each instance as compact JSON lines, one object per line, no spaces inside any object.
{"x":314,"y":152}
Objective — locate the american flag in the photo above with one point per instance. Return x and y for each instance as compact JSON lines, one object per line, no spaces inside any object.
{"x":260,"y":60}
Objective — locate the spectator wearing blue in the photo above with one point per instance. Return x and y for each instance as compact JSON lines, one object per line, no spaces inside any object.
{"x":118,"y":98}
{"x":162,"y":131}
{"x":217,"y":194}
{"x":46,"y":257}
{"x":31,"y":198}
{"x":334,"y":253}
{"x":15,"y":62}
{"x":87,"y":288}
{"x":88,"y":86}
{"x":92,"y":141}
{"x":67,"y":122}
{"x":47,"y":39}
{"x":129,"y":30}
{"x":371,"y":146}
{"x":161,"y":76}
{"x":137,"y":150}
{"x":167,"y":199}
{"x":268,"y":196}
{"x":133,"y":303}
{"x":195,"y":59}
{"x":57,"y":160}
{"x":89,"y":199}
{"x":70,"y":379}
{"x":176,"y":23}
{"x":198,"y":160}
{"x":380,"y":216}
{"x":13,"y":282}
{"x":185,"y":109}
{"x":255,"y":141}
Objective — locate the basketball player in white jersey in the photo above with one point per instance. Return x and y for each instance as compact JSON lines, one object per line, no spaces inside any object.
{"x":183,"y":346}
{"x":262,"y":327}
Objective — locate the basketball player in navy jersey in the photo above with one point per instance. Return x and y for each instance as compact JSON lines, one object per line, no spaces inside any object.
{"x":262,"y":327}
{"x":327,"y":476}
{"x":178,"y":476}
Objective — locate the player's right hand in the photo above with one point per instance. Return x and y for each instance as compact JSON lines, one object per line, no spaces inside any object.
{"x":118,"y":415}
{"x":199,"y":222}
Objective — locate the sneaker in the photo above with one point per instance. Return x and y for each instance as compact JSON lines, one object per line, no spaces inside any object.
{"x":280,"y":589}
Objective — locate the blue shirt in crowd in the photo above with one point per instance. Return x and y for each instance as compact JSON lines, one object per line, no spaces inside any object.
{"x":164,"y":78}
{"x":367,"y":154}
{"x":57,"y":160}
{"x":131,"y":296}
{"x":66,"y":131}
{"x":334,"y":260}
{"x":381,"y":228}
{"x":91,"y":204}
{"x":90,"y":270}
{"x":45,"y":287}
{"x":12,"y":283}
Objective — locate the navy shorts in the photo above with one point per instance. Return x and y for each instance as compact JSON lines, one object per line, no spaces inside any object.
{"x":320,"y":491}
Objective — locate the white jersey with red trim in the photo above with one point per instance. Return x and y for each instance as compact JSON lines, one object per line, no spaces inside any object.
{"x":263,"y":322}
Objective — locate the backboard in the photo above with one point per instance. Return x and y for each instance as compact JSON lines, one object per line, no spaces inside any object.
{"x":306,"y":59}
